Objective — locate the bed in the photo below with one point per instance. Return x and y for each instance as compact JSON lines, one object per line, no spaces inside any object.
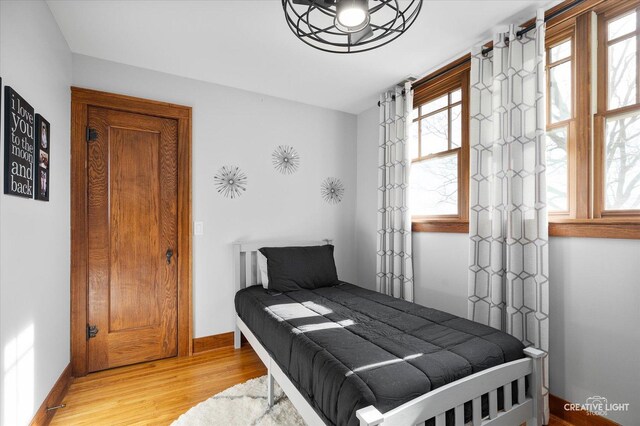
{"x":345,"y":355}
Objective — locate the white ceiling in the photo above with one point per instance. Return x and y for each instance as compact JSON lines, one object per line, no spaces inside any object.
{"x":246,"y":44}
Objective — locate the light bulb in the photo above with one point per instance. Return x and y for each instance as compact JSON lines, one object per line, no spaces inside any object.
{"x":352,"y":17}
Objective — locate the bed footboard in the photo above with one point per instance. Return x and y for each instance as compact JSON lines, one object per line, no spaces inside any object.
{"x":529,"y":407}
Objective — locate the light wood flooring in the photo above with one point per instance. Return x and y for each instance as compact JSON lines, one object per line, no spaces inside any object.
{"x":156,"y":393}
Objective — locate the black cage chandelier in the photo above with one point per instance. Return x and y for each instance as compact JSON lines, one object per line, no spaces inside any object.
{"x":349,"y":26}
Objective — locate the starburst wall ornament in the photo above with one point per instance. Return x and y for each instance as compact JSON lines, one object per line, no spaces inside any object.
{"x":230,"y":181}
{"x":332,"y":190}
{"x":285,"y":159}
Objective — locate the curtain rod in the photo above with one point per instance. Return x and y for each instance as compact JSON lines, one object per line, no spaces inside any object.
{"x":485,"y":51}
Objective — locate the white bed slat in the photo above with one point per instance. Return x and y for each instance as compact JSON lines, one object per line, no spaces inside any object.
{"x":258,"y":274}
{"x":521,"y":390}
{"x":459,"y":415}
{"x":248,"y":273}
{"x":508,"y":398}
{"x":493,"y":404}
{"x":440,"y":420}
{"x":477,"y":412}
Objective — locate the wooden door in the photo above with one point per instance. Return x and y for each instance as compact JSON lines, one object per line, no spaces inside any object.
{"x":132,"y":193}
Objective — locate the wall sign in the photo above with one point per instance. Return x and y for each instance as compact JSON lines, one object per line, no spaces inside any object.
{"x":43,"y":165}
{"x":19,"y":153}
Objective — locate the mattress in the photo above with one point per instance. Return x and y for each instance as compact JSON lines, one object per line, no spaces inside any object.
{"x":345,"y":347}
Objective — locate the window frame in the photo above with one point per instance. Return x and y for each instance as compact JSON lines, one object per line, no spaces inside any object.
{"x":566,"y":32}
{"x":603,"y":112}
{"x":457,"y":78}
{"x":587,"y":178}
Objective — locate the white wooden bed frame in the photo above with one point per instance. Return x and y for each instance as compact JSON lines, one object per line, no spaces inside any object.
{"x":436,"y":403}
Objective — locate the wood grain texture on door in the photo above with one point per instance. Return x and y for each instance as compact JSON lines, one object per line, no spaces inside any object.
{"x":132,"y":224}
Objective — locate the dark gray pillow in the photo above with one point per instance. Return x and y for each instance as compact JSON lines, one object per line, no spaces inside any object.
{"x":295,"y":268}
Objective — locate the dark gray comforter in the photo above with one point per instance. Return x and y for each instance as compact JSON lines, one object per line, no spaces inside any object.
{"x":346,"y":347}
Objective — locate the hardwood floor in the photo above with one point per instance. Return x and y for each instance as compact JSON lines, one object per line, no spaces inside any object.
{"x":156,"y":393}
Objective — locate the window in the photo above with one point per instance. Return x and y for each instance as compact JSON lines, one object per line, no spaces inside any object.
{"x":436,"y":137}
{"x":593,"y":129}
{"x":617,"y":138}
{"x":593,"y":122}
{"x":560,"y":120}
{"x":438,"y":145}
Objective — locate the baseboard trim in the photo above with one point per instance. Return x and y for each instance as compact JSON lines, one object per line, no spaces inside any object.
{"x":55,"y":397}
{"x":209,"y":343}
{"x":216,"y":341}
{"x":576,"y":418}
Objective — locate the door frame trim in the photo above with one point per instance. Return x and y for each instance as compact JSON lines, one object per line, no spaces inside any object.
{"x":81,"y":100}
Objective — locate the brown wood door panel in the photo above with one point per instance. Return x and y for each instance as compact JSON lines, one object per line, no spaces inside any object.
{"x":132,"y":222}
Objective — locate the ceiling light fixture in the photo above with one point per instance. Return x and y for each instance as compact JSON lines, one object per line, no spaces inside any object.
{"x":349,"y":26}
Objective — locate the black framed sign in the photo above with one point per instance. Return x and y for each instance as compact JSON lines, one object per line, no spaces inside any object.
{"x":43,"y":165}
{"x":19,"y":144}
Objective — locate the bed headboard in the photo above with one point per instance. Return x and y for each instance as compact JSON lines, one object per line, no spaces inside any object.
{"x":245,"y":259}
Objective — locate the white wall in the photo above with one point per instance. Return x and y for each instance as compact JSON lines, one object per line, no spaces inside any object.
{"x":594,"y":297}
{"x":235,"y":127}
{"x":595,"y":318}
{"x":367,"y":199}
{"x":34,"y":245}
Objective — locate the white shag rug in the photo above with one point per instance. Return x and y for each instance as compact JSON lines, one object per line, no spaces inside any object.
{"x":242,"y":405}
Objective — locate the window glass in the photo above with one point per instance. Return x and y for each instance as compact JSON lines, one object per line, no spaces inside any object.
{"x":456,"y":126}
{"x":561,"y":51}
{"x":622,"y":162}
{"x":435,"y":133}
{"x":456,"y":96}
{"x":434,"y":186}
{"x":560,"y":92}
{"x":621,"y":26}
{"x":434,"y":105}
{"x":557,"y":170}
{"x":622,"y":73}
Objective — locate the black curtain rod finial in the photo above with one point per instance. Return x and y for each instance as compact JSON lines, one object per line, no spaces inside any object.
{"x":393,"y":97}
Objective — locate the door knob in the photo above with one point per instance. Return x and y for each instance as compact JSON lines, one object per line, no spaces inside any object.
{"x":169,"y":255}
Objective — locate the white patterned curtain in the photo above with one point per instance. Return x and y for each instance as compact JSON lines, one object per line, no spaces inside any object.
{"x":508,"y":230}
{"x":394,"y":264}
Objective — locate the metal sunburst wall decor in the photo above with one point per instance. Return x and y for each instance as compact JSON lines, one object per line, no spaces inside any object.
{"x":230,"y":181}
{"x":332,"y":190}
{"x":285,"y":159}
